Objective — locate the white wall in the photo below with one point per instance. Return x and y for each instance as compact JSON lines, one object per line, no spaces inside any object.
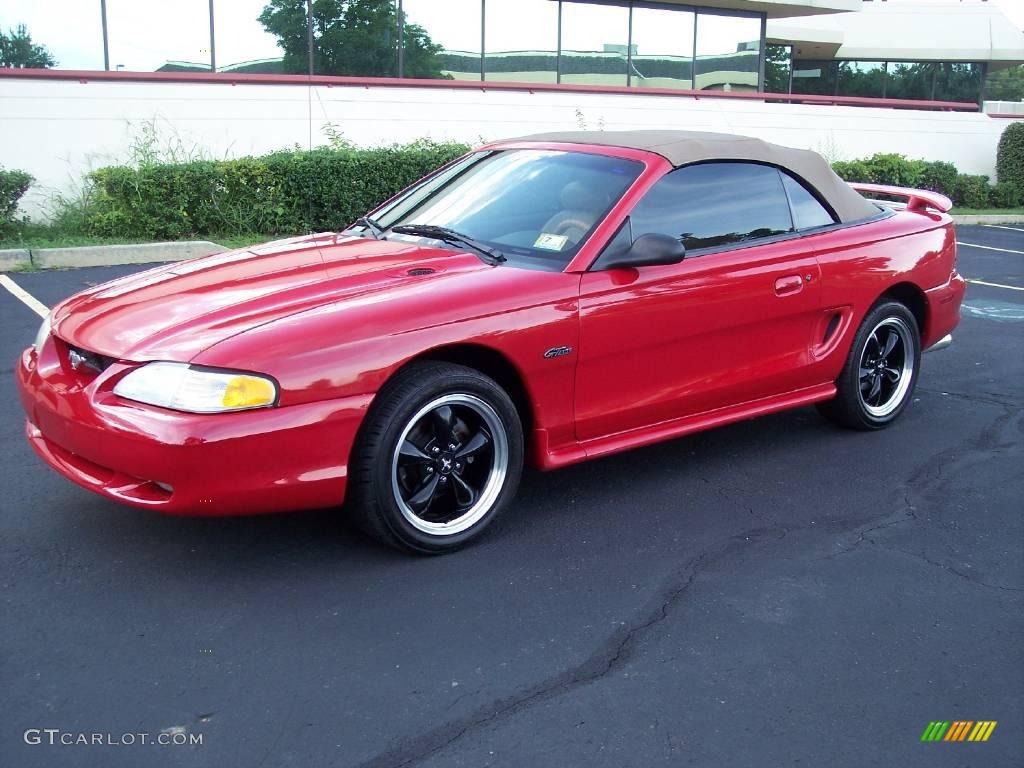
{"x":58,"y":129}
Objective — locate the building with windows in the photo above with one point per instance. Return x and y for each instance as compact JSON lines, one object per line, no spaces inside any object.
{"x":929,"y":50}
{"x":843,"y":77}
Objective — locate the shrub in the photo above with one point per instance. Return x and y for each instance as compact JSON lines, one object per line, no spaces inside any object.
{"x":286,"y":192}
{"x":1006,"y":194}
{"x":939,"y":177}
{"x":13,"y":184}
{"x":853,"y":170}
{"x":895,"y":170}
{"x":971,"y":191}
{"x":1010,"y":155}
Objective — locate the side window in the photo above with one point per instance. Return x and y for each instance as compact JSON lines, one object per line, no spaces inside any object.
{"x":807,"y":211}
{"x":714,"y":204}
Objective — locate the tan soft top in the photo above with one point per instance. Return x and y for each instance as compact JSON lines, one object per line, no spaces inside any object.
{"x":685,"y":147}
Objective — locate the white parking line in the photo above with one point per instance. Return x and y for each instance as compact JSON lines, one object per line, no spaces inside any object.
{"x":26,"y":298}
{"x":995,"y":285}
{"x":1002,"y":226}
{"x":989,"y":248}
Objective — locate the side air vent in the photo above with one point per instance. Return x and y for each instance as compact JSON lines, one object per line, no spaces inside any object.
{"x":830,"y":329}
{"x":418,"y":271}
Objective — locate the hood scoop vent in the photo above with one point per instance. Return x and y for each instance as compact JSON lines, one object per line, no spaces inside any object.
{"x":419,"y":271}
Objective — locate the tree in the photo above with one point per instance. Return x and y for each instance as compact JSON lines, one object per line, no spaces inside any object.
{"x":1005,"y":84}
{"x":350,"y":37}
{"x":17,"y":50}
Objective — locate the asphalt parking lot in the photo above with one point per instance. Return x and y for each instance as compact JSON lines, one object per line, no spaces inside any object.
{"x":778,"y":592}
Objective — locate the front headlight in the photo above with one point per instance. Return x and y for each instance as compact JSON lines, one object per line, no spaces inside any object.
{"x":184,"y":388}
{"x":42,"y":334}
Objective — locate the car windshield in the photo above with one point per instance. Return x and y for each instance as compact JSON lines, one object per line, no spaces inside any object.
{"x":535,"y":207}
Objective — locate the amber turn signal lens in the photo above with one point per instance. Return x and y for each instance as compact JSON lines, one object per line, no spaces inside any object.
{"x":248,"y":392}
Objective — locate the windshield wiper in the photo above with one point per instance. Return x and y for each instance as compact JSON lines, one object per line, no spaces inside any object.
{"x":488,"y":255}
{"x":371,"y":224}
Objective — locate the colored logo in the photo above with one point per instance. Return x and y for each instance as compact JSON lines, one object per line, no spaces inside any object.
{"x":959,"y":730}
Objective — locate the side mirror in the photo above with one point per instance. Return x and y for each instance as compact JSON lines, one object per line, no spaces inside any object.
{"x":650,"y":250}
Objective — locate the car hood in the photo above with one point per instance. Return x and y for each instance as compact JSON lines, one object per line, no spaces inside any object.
{"x":177,"y":311}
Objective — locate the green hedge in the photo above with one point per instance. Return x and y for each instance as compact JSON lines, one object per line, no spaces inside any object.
{"x":13,"y":184}
{"x":965,"y":190}
{"x":287,"y":192}
{"x":291,"y":192}
{"x":1010,"y":156}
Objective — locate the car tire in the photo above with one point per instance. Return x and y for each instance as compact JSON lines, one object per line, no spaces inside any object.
{"x":877,"y":381}
{"x":438,"y":458}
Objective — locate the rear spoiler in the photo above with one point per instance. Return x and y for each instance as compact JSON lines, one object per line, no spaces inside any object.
{"x":917,"y":199}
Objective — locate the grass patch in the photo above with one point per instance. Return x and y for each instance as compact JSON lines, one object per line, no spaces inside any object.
{"x":34,"y":237}
{"x":987,"y":211}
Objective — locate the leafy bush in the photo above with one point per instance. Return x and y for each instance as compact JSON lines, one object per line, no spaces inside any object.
{"x":964,"y":190}
{"x":853,"y":170}
{"x":287,"y":192}
{"x":1006,"y":194}
{"x":1010,"y":155}
{"x":13,"y":184}
{"x":939,"y":177}
{"x":971,"y":191}
{"x":895,"y":170}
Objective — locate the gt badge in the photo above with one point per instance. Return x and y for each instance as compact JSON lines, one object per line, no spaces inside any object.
{"x":557,"y":352}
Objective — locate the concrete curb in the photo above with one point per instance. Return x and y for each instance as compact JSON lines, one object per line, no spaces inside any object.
{"x":109,"y":255}
{"x":14,"y":258}
{"x":989,"y":218}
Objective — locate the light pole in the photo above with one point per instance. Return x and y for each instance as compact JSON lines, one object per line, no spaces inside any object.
{"x":106,"y":47}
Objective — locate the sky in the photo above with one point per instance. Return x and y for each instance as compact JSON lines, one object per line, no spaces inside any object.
{"x":144,"y":34}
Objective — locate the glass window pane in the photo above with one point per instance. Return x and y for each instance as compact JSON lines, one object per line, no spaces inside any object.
{"x":662,"y":49}
{"x":861,"y":78}
{"x":442,"y":39}
{"x":522,"y":41}
{"x":594,"y":41}
{"x":243,"y":43}
{"x":818,"y":77}
{"x":150,"y":35}
{"x":70,"y":31}
{"x":728,"y":50}
{"x":777,"y":65}
{"x":533,"y":205}
{"x":807,"y":211}
{"x":910,"y":80}
{"x":958,"y":82}
{"x":715,"y":204}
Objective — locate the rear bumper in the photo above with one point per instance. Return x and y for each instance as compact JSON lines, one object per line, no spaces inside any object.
{"x":943,"y":312}
{"x":267,"y":460}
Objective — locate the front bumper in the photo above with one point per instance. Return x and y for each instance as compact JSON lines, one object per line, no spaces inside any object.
{"x":267,"y":460}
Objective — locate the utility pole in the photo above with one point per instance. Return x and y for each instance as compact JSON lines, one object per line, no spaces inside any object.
{"x":213,"y":45}
{"x":309,"y":32}
{"x":106,"y":47}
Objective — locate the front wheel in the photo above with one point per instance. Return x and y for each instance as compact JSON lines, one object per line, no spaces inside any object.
{"x":438,"y":459}
{"x":877,"y":381}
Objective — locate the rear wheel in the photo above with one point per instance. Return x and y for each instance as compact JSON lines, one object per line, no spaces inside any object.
{"x":438,"y":459}
{"x":878,"y":379}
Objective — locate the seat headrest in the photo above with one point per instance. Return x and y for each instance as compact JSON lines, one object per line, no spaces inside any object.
{"x":577,"y":196}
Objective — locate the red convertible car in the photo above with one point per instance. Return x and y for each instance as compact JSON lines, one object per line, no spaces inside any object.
{"x":546,"y":300}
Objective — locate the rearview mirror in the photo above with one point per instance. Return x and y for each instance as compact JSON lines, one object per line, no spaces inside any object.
{"x":650,"y":250}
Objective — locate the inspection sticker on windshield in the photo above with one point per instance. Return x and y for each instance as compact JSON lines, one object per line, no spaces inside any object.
{"x":550,"y":242}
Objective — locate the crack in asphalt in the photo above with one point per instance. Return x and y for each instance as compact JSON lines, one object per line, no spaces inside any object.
{"x":992,"y":398}
{"x":966,"y":576}
{"x":612,"y":655}
{"x":617,"y":650}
